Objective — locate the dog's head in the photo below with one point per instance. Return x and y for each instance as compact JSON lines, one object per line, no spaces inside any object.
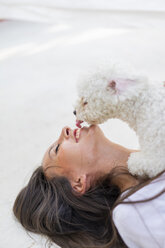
{"x":93,"y":104}
{"x":100,"y":94}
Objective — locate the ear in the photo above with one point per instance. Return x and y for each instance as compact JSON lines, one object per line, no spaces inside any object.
{"x":79,"y":184}
{"x":120,"y":85}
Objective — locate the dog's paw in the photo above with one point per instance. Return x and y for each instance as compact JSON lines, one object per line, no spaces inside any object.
{"x":135,"y":164}
{"x":145,"y":165}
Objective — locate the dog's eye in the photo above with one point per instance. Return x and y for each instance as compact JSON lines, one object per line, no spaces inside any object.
{"x":85,"y":103}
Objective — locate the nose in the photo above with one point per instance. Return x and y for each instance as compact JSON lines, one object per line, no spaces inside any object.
{"x":74,"y":112}
{"x":66,"y":131}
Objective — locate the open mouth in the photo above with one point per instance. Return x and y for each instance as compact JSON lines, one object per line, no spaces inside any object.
{"x":76,"y":133}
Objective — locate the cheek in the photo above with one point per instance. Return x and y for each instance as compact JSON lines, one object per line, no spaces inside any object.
{"x":69,"y":155}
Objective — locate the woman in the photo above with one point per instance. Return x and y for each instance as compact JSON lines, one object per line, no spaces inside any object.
{"x":70,"y":198}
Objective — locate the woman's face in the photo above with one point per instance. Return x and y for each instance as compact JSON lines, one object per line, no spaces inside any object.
{"x":70,"y":155}
{"x":83,"y":157}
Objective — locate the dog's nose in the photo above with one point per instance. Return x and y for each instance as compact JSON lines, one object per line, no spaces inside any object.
{"x":74,"y":112}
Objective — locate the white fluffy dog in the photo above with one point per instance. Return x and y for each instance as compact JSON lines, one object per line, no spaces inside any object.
{"x":115,"y":93}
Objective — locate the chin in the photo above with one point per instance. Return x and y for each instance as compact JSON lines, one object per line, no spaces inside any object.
{"x":94,"y":128}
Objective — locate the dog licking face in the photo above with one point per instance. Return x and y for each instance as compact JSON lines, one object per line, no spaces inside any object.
{"x":115,"y":93}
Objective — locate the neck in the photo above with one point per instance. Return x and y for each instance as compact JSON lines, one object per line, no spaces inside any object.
{"x":110,"y":156}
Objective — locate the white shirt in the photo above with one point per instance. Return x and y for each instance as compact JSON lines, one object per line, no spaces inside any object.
{"x":142,"y":225}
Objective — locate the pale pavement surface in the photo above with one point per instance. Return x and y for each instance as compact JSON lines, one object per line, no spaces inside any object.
{"x":39,"y":66}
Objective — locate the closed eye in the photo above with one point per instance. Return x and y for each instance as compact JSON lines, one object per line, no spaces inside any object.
{"x":57,"y":147}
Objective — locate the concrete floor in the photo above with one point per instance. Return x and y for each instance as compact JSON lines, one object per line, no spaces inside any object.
{"x":39,"y":67}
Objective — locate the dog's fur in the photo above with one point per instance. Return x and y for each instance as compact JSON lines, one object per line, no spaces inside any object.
{"x":114,"y":93}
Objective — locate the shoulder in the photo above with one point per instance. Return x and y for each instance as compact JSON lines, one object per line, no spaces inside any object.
{"x":143,"y":222}
{"x":150,"y":190}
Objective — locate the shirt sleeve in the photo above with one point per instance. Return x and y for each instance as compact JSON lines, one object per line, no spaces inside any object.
{"x":142,"y":225}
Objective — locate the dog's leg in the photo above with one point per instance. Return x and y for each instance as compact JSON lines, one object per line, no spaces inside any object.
{"x":144,"y":164}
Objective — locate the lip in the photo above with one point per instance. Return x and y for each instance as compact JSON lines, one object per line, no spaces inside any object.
{"x":74,"y":133}
{"x":83,"y":130}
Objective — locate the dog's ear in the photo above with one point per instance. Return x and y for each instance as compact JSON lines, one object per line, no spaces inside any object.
{"x":120,"y":85}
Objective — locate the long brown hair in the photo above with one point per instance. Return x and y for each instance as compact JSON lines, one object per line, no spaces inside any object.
{"x":52,"y":208}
